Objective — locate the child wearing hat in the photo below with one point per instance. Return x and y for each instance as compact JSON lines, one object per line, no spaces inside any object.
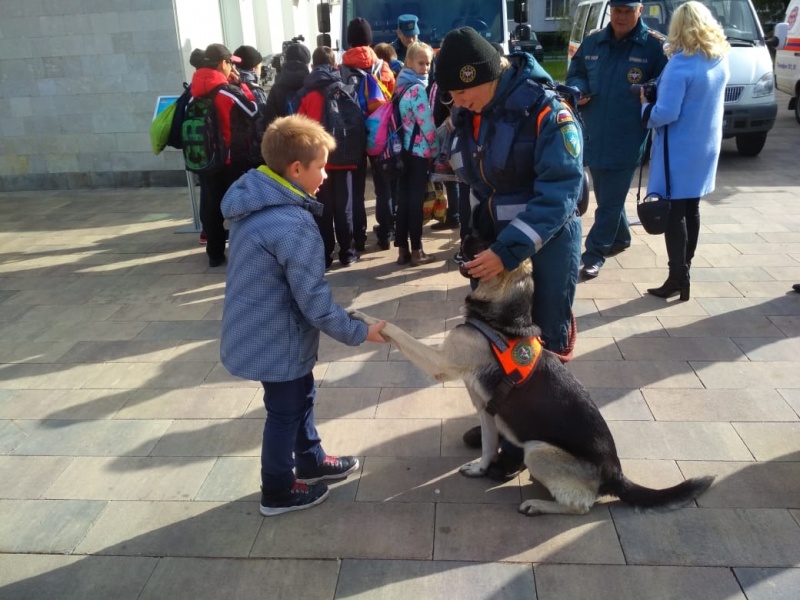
{"x":276,"y":303}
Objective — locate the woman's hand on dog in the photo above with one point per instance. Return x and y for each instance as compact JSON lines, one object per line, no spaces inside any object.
{"x":485,"y":266}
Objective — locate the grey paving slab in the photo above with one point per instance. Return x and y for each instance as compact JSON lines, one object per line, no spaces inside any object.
{"x":771,"y":441}
{"x":621,"y":404}
{"x":26,"y":477}
{"x":663,"y":374}
{"x":45,"y":526}
{"x":589,"y":348}
{"x":219,"y":377}
{"x":381,"y":437}
{"x":437,"y":403}
{"x":748,"y":375}
{"x":400,"y":580}
{"x":33,"y":352}
{"x":191,"y":403}
{"x":210,"y":437}
{"x":330,"y":350}
{"x":333,"y":403}
{"x":181,"y":330}
{"x":118,"y":351}
{"x":209,"y":529}
{"x":37,"y":577}
{"x":617,"y":328}
{"x":727,"y":325}
{"x":769,"y":349}
{"x":379,"y":374}
{"x":379,"y":530}
{"x":429,"y":480}
{"x":148,"y":375}
{"x":131,"y":478}
{"x":678,"y":440}
{"x":89,"y":438}
{"x":63,"y":404}
{"x":186,"y":578}
{"x":792,"y":396}
{"x":498,"y":533}
{"x":612,"y":582}
{"x":748,"y":484}
{"x":769,"y":584}
{"x":45,"y":376}
{"x":709,"y":537}
{"x":718,"y":405}
{"x":680,"y":348}
{"x":160,"y":312}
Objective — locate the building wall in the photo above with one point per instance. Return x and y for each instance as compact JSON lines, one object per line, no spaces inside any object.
{"x":78,"y":84}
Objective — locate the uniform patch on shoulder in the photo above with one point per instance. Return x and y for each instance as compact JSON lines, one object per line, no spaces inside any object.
{"x":572,"y":139}
{"x":657,"y":34}
{"x":564,"y":116}
{"x":635,"y":75}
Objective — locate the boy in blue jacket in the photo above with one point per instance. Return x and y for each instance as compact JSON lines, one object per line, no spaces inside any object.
{"x":276,"y":303}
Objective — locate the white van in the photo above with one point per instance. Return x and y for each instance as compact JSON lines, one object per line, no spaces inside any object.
{"x":750,"y":105}
{"x":787,"y":56}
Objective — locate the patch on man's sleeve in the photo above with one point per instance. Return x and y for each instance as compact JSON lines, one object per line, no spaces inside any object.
{"x":564,"y":116}
{"x":572,"y":139}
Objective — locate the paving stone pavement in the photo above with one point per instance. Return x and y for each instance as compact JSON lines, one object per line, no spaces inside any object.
{"x":129,"y":457}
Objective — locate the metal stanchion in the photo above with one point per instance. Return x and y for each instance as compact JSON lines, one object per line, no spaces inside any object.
{"x":195,"y":227}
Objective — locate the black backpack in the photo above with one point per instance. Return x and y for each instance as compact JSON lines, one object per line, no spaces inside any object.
{"x":343,"y":119}
{"x":204,"y":149}
{"x":175,"y":140}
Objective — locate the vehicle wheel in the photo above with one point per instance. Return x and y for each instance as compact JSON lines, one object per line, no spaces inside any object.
{"x":750,"y":144}
{"x":797,"y":110}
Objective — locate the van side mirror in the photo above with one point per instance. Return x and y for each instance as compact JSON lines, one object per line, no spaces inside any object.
{"x":324,"y":17}
{"x":781,"y":34}
{"x":520,"y":11}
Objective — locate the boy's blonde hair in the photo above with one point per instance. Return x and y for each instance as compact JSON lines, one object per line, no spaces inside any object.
{"x":293,"y":138}
{"x":385,"y":52}
{"x":415,"y":49}
{"x":694,"y":29}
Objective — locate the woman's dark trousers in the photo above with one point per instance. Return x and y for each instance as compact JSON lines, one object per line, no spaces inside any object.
{"x":683,"y":229}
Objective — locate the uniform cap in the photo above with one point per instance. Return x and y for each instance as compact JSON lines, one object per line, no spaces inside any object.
{"x":408,"y":25}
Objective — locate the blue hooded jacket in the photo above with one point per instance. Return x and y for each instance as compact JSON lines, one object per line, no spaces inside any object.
{"x":526,"y":166}
{"x":276,"y":297}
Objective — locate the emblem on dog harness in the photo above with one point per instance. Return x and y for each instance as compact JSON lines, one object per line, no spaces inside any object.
{"x":517,"y":358}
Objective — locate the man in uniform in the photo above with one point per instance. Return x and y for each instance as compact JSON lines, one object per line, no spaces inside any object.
{"x":407,"y":34}
{"x":605,"y":66}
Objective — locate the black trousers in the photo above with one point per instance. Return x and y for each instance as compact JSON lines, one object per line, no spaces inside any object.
{"x":683,"y":229}
{"x":359,"y":207}
{"x":336,"y":222}
{"x":385,"y":204}
{"x":210,"y":208}
{"x":410,"y":196}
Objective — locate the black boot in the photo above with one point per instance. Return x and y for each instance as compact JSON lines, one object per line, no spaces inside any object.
{"x":670,"y":288}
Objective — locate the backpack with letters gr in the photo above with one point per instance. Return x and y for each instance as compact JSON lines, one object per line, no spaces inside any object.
{"x":343,"y":119}
{"x":204,"y":149}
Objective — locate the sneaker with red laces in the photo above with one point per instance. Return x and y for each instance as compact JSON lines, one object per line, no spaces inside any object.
{"x":203,"y":239}
{"x":333,"y":467}
{"x":298,"y":497}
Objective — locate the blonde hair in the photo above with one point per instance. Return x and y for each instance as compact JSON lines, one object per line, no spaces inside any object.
{"x":694,"y":29}
{"x":293,"y":138}
{"x":415,"y":49}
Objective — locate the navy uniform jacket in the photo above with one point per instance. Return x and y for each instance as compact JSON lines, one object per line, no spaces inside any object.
{"x":525,"y":167}
{"x":604,"y":69}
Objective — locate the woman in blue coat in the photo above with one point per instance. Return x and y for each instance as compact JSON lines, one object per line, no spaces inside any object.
{"x":691,"y":96}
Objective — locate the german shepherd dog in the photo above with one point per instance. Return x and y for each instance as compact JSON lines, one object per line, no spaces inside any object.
{"x":567,"y":445}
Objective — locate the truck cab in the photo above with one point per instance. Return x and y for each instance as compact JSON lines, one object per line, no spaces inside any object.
{"x":787,"y":56}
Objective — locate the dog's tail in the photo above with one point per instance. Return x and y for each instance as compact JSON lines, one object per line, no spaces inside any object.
{"x":666,"y":499}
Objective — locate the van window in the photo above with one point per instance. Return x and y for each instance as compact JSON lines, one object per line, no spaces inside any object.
{"x":594,"y":15}
{"x":654,"y":15}
{"x":580,"y":21}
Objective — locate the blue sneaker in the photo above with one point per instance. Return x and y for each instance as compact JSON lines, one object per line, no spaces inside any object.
{"x":298,"y":497}
{"x":333,"y":467}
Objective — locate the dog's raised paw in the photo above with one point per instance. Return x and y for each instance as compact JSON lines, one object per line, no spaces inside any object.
{"x":358,"y":315}
{"x":473,"y":469}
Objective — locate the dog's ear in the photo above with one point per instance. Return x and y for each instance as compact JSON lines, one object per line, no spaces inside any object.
{"x":472,"y":245}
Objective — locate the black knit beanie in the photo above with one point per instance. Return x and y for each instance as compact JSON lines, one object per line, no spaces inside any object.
{"x":466,"y":60}
{"x":359,"y":33}
{"x":250,"y":57}
{"x":298,"y":52}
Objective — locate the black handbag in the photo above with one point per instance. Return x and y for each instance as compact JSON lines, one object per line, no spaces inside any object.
{"x":653,"y":209}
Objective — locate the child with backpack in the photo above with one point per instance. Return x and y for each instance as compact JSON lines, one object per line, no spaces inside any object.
{"x":360,"y":62}
{"x":219,"y":139}
{"x":420,"y":146}
{"x":327,"y":100}
{"x":276,"y":303}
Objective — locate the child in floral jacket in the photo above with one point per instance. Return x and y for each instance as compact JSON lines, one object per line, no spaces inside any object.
{"x":419,"y":143}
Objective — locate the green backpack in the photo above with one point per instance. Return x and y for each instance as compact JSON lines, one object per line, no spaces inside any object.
{"x":204,"y":149}
{"x":160,"y":128}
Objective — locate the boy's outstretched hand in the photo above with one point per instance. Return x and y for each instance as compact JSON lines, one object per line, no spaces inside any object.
{"x":374,"y":333}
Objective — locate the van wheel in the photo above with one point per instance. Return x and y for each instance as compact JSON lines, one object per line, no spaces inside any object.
{"x":750,"y":144}
{"x":797,"y":110}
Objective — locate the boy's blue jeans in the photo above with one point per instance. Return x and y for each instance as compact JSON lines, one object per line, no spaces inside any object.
{"x":610,"y":222}
{"x":290,"y":435}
